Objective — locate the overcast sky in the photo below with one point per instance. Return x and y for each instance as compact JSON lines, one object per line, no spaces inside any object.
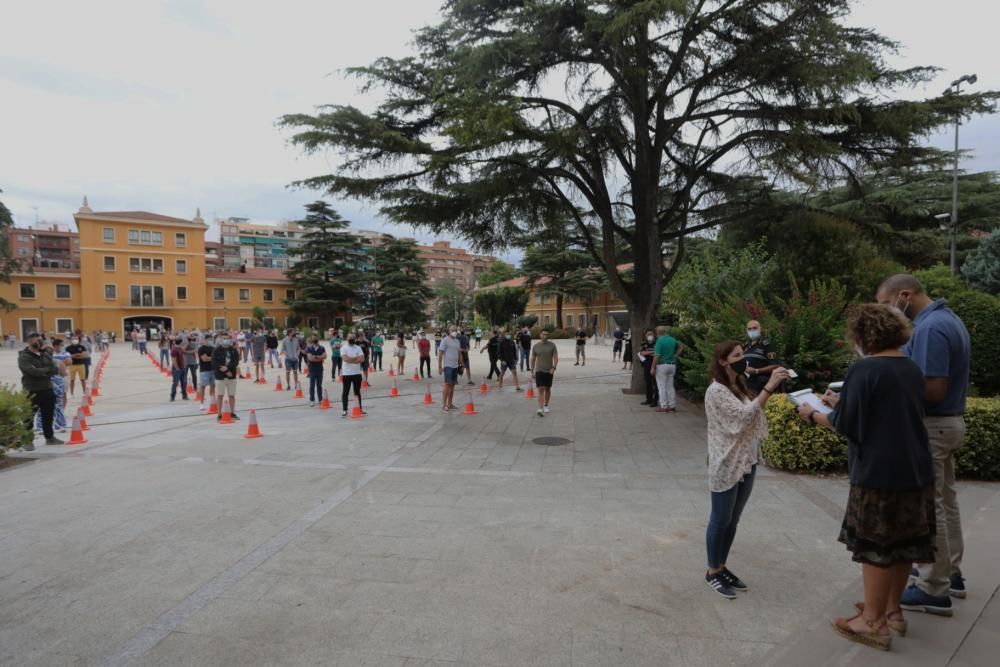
{"x":167,"y":106}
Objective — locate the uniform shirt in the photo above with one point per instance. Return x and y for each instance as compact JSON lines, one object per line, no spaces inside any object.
{"x":543,"y":352}
{"x":351,"y":350}
{"x":377,"y":342}
{"x":940,"y":346}
{"x":666,"y":349}
{"x":450,"y":348}
{"x":647,"y":351}
{"x":760,"y":353}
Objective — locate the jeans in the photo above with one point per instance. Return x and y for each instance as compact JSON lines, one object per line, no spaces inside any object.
{"x":494,"y":370}
{"x":315,"y":383}
{"x":164,"y":356}
{"x":351,"y":382}
{"x":273,"y":357}
{"x":946,"y":435}
{"x":651,"y":393}
{"x":525,"y":358}
{"x":336,"y":364}
{"x":180,"y":378}
{"x":665,"y":384}
{"x":193,"y":370}
{"x":425,"y":361}
{"x":44,"y":401}
{"x":142,"y":347}
{"x":727,"y":506}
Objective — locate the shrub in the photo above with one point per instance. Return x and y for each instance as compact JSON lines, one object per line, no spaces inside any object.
{"x":796,"y":446}
{"x":14,"y":411}
{"x":979,"y":457}
{"x":981,"y":314}
{"x":982,"y":265}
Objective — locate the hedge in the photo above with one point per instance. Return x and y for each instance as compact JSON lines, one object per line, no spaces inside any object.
{"x":796,"y":446}
{"x":14,"y":409}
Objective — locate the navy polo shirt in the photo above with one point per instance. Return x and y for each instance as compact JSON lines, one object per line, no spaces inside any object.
{"x":940,"y":346}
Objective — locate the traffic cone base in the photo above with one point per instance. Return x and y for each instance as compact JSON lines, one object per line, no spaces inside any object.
{"x":394,"y":391}
{"x":470,"y":407}
{"x":83,"y":422}
{"x":277,"y":385}
{"x":227,"y":416}
{"x":428,"y":399}
{"x":325,"y":403}
{"x":76,"y":437}
{"x":484,"y":388}
{"x":531,"y":391}
{"x":253,"y":430}
{"x":213,"y":409}
{"x":392,"y":373}
{"x":416,"y":376}
{"x":298,"y":391}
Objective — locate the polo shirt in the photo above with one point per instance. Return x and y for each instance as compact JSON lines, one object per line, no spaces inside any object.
{"x":940,"y":346}
{"x":666,"y":349}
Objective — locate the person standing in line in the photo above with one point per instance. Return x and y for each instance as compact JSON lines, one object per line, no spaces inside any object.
{"x":736,"y":426}
{"x":131,"y":332}
{"x":400,"y":354}
{"x":58,"y":388}
{"x":76,"y":352}
{"x":37,"y":370}
{"x":581,"y":347}
{"x":12,"y":340}
{"x":241,"y":345}
{"x":479,"y":336}
{"x":665,"y":367}
{"x":336,"y":341}
{"x":646,"y":354}
{"x":114,"y":337}
{"x":366,"y":347}
{"x":164,"y":346}
{"x":140,"y":337}
{"x":889,"y":521}
{"x":353,"y":356}
{"x":272,"y":350}
{"x":315,"y":356}
{"x":290,"y":346}
{"x":449,"y":363}
{"x":424,"y":350}
{"x":258,"y":352}
{"x":524,"y":338}
{"x":544,"y":360}
{"x":88,"y":346}
{"x":206,"y":372}
{"x":191,"y":357}
{"x":463,"y":340}
{"x":437,"y":341}
{"x":226,"y":364}
{"x":507,"y":354}
{"x":178,"y":369}
{"x":492,"y":348}
{"x":377,"y":343}
{"x":616,"y":349}
{"x":941,"y":347}
{"x":627,"y":355}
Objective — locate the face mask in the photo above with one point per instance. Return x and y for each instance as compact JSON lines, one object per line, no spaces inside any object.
{"x":350,"y":341}
{"x":753,"y":334}
{"x":739,"y":367}
{"x":895,"y":304}
{"x":507,"y":336}
{"x":861,"y":353}
{"x":75,"y":341}
{"x":226,"y":342}
{"x":453,"y":334}
{"x":650,"y":338}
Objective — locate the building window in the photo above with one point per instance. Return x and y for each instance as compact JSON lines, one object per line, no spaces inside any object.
{"x":244,"y":295}
{"x":245,"y":323}
{"x":110,"y":291}
{"x":182,"y":266}
{"x":146,"y":295}
{"x":109,"y":263}
{"x":569,"y":320}
{"x":570,"y":299}
{"x":133,"y":236}
{"x":290,"y":294}
{"x":219,"y":323}
{"x":64,"y":325}
{"x":109,"y":234}
{"x":219,"y":293}
{"x":27,"y":290}
{"x":145,"y":237}
{"x":548,"y":320}
{"x":546,"y":298}
{"x":268,"y":295}
{"x":145,"y":265}
{"x":182,"y":293}
{"x":24,"y":251}
{"x":23,"y":238}
{"x":538,"y":299}
{"x":180,"y":239}
{"x":62,"y":291}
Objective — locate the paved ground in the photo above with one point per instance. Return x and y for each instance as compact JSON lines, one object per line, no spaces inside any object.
{"x":417,"y":538}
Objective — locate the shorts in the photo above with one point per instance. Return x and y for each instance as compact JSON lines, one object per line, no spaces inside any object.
{"x":291,"y":364}
{"x":617,"y":347}
{"x":258,"y":358}
{"x":206,"y":378}
{"x":76,"y":369}
{"x":543,"y":379}
{"x":450,"y":375}
{"x":226,"y":386}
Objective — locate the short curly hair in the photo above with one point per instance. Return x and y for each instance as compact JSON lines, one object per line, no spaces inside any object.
{"x":876,"y":328}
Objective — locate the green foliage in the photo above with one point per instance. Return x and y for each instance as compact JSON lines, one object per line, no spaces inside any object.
{"x":259,"y":316}
{"x":497,"y":272}
{"x":400,"y":294}
{"x":980,"y":312}
{"x":982,"y":267}
{"x":453,"y":304}
{"x":527,"y":321}
{"x":501,"y":305}
{"x":15,"y":409}
{"x":556,"y":267}
{"x":8,"y":263}
{"x":939,"y":283}
{"x":811,"y":333}
{"x":979,"y":457}
{"x":796,"y":446}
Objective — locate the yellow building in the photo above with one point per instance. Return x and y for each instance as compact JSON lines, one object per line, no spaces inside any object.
{"x":598,"y":315}
{"x":141,"y":268}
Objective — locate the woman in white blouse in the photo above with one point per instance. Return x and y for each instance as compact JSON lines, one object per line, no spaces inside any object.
{"x":736,"y":426}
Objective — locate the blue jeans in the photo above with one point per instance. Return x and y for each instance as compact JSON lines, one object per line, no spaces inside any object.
{"x":315,"y":383}
{"x":180,"y":378}
{"x":727,"y":506}
{"x":164,"y":356}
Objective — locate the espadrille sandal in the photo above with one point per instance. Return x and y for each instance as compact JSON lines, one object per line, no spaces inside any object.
{"x":873,"y":637}
{"x":894,"y":619}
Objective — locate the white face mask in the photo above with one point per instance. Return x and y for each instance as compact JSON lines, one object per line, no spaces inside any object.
{"x":453,"y":334}
{"x":650,"y":338}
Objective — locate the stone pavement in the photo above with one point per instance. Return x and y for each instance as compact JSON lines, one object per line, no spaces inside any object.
{"x":418,"y":538}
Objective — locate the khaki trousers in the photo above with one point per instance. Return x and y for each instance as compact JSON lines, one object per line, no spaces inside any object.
{"x":946,"y":435}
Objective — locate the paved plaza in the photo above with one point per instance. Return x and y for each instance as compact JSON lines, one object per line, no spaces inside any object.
{"x":418,"y":538}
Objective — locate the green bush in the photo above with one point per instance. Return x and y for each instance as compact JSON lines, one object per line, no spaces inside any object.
{"x":795,"y":446}
{"x":553,"y":332}
{"x":14,"y":411}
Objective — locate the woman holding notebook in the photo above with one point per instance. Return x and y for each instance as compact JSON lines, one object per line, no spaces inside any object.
{"x":889,"y":522}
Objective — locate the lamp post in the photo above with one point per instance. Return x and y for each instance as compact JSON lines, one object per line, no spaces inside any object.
{"x":955,"y":88}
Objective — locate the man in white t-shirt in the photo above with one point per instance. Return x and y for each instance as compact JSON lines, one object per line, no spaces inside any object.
{"x":351,"y":356}
{"x":449,"y":361}
{"x":241,"y":345}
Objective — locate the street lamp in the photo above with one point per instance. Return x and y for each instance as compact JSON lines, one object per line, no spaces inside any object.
{"x":41,"y":320}
{"x":955,"y":87}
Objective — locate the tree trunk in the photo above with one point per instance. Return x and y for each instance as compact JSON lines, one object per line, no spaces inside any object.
{"x":642,"y":315}
{"x":559,"y":306}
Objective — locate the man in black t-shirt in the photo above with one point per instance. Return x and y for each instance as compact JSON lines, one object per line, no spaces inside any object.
{"x":581,"y":347}
{"x":206,"y":372}
{"x":77,"y":370}
{"x":525,"y":340}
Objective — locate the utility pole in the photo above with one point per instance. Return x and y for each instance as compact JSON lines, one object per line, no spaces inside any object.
{"x":955,"y":88}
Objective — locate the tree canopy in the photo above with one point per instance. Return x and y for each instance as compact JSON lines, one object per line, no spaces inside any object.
{"x":8,"y":264}
{"x":643,"y":120}
{"x":400,"y":293}
{"x":982,"y":267}
{"x":497,"y":272}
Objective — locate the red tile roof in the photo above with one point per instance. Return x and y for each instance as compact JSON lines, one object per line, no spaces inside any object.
{"x":252,"y":273}
{"x":136,"y":215}
{"x":521,"y":281}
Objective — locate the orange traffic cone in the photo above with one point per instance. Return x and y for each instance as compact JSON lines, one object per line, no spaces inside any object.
{"x":305,"y":371}
{"x":365,"y":385}
{"x":428,"y":399}
{"x":394,"y":392}
{"x":356,"y":411}
{"x":484,"y":387}
{"x":470,"y":407}
{"x":213,"y":409}
{"x":392,"y":373}
{"x":76,"y":437}
{"x":253,"y":431}
{"x":298,"y":390}
{"x":95,"y":391}
{"x":416,"y":376}
{"x":85,"y":410}
{"x":531,"y":390}
{"x":190,"y":390}
{"x":246,"y":374}
{"x":325,"y":403}
{"x":227,"y":416}
{"x":277,"y":385}
{"x":83,"y":422}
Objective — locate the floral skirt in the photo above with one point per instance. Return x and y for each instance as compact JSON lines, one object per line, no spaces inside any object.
{"x":883,"y":527}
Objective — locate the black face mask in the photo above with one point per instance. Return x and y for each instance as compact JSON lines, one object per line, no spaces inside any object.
{"x":739,"y":367}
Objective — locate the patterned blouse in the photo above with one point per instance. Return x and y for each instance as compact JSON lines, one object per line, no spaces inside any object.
{"x":735,"y":429}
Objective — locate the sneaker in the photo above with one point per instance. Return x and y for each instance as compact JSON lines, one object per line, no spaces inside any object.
{"x":914,"y":599}
{"x":30,"y":447}
{"x":718,"y":584}
{"x":235,"y":417}
{"x":957,"y":586}
{"x":288,"y":388}
{"x":54,"y":441}
{"x":312,"y":404}
{"x":518,"y":389}
{"x":734,"y":582}
{"x":540,"y":413}
{"x":218,"y":417}
{"x":185,"y":398}
{"x":663,"y":409}
{"x":344,"y":413}
{"x":577,"y":363}
{"x":546,"y":409}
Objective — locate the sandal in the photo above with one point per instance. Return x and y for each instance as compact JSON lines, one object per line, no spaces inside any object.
{"x":873,"y":637}
{"x":894,"y":619}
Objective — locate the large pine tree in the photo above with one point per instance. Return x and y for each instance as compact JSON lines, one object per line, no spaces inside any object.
{"x":400,"y":290}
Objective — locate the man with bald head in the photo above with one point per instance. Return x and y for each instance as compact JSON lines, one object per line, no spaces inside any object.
{"x":761,"y":355}
{"x":940,"y":346}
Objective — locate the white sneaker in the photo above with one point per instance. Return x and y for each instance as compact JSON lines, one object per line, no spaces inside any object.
{"x":311,"y":404}
{"x":540,"y":413}
{"x":546,"y":409}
